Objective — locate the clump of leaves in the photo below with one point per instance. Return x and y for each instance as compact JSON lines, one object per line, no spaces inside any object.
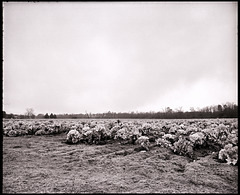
{"x":229,"y":154}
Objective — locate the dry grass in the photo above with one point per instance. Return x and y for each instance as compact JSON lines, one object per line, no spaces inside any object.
{"x":46,"y":164}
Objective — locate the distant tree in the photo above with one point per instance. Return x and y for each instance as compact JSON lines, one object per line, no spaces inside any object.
{"x":46,"y":115}
{"x":11,"y":115}
{"x":29,"y":113}
{"x":21,"y":116}
{"x":192,"y":109}
{"x":53,"y":115}
{"x":179,"y":109}
{"x":4,"y":114}
{"x":88,"y":115}
{"x":214,"y":108}
{"x":168,"y":110}
{"x":40,"y":116}
{"x":220,"y":108}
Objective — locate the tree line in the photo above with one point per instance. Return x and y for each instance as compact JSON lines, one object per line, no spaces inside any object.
{"x":227,"y":110}
{"x":28,"y":115}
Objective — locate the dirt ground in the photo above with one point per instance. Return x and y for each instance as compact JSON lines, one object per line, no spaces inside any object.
{"x":46,"y":164}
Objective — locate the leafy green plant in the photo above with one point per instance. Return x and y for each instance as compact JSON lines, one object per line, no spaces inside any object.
{"x":229,"y":154}
{"x":73,"y":136}
{"x":183,"y":147}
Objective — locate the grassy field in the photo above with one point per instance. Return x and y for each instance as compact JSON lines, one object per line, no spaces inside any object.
{"x":46,"y":164}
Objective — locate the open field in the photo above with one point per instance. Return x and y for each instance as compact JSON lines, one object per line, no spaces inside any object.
{"x":47,"y":164}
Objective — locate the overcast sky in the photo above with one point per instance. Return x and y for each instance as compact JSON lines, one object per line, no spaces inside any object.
{"x":79,"y":57}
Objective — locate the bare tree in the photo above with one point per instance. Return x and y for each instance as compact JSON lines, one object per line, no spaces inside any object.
{"x":29,"y":113}
{"x":192,"y":109}
{"x":179,"y":109}
{"x":168,"y":110}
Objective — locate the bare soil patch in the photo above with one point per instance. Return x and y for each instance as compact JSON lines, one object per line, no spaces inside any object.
{"x":46,"y":164}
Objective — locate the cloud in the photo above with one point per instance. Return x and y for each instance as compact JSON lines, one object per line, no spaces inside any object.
{"x":66,"y":57}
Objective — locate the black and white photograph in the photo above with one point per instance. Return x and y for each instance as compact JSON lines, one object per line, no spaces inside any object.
{"x":120,"y":97}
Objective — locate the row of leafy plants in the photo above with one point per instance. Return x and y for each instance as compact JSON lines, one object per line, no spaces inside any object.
{"x":183,"y":137}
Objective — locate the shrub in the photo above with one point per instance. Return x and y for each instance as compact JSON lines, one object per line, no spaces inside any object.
{"x":229,"y":154}
{"x":144,"y":142}
{"x":183,"y":147}
{"x":163,"y":143}
{"x":198,"y":139}
{"x":12,"y":133}
{"x":73,"y":136}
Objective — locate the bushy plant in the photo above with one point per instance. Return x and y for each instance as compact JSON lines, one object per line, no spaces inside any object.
{"x":163,"y":143}
{"x":144,"y":142}
{"x":198,"y":139}
{"x":183,"y":147}
{"x":122,"y":134}
{"x":12,"y":133}
{"x":229,"y":154}
{"x":99,"y":134}
{"x":73,"y":136}
{"x":232,"y":138}
{"x":170,"y":137}
{"x":87,"y":136}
